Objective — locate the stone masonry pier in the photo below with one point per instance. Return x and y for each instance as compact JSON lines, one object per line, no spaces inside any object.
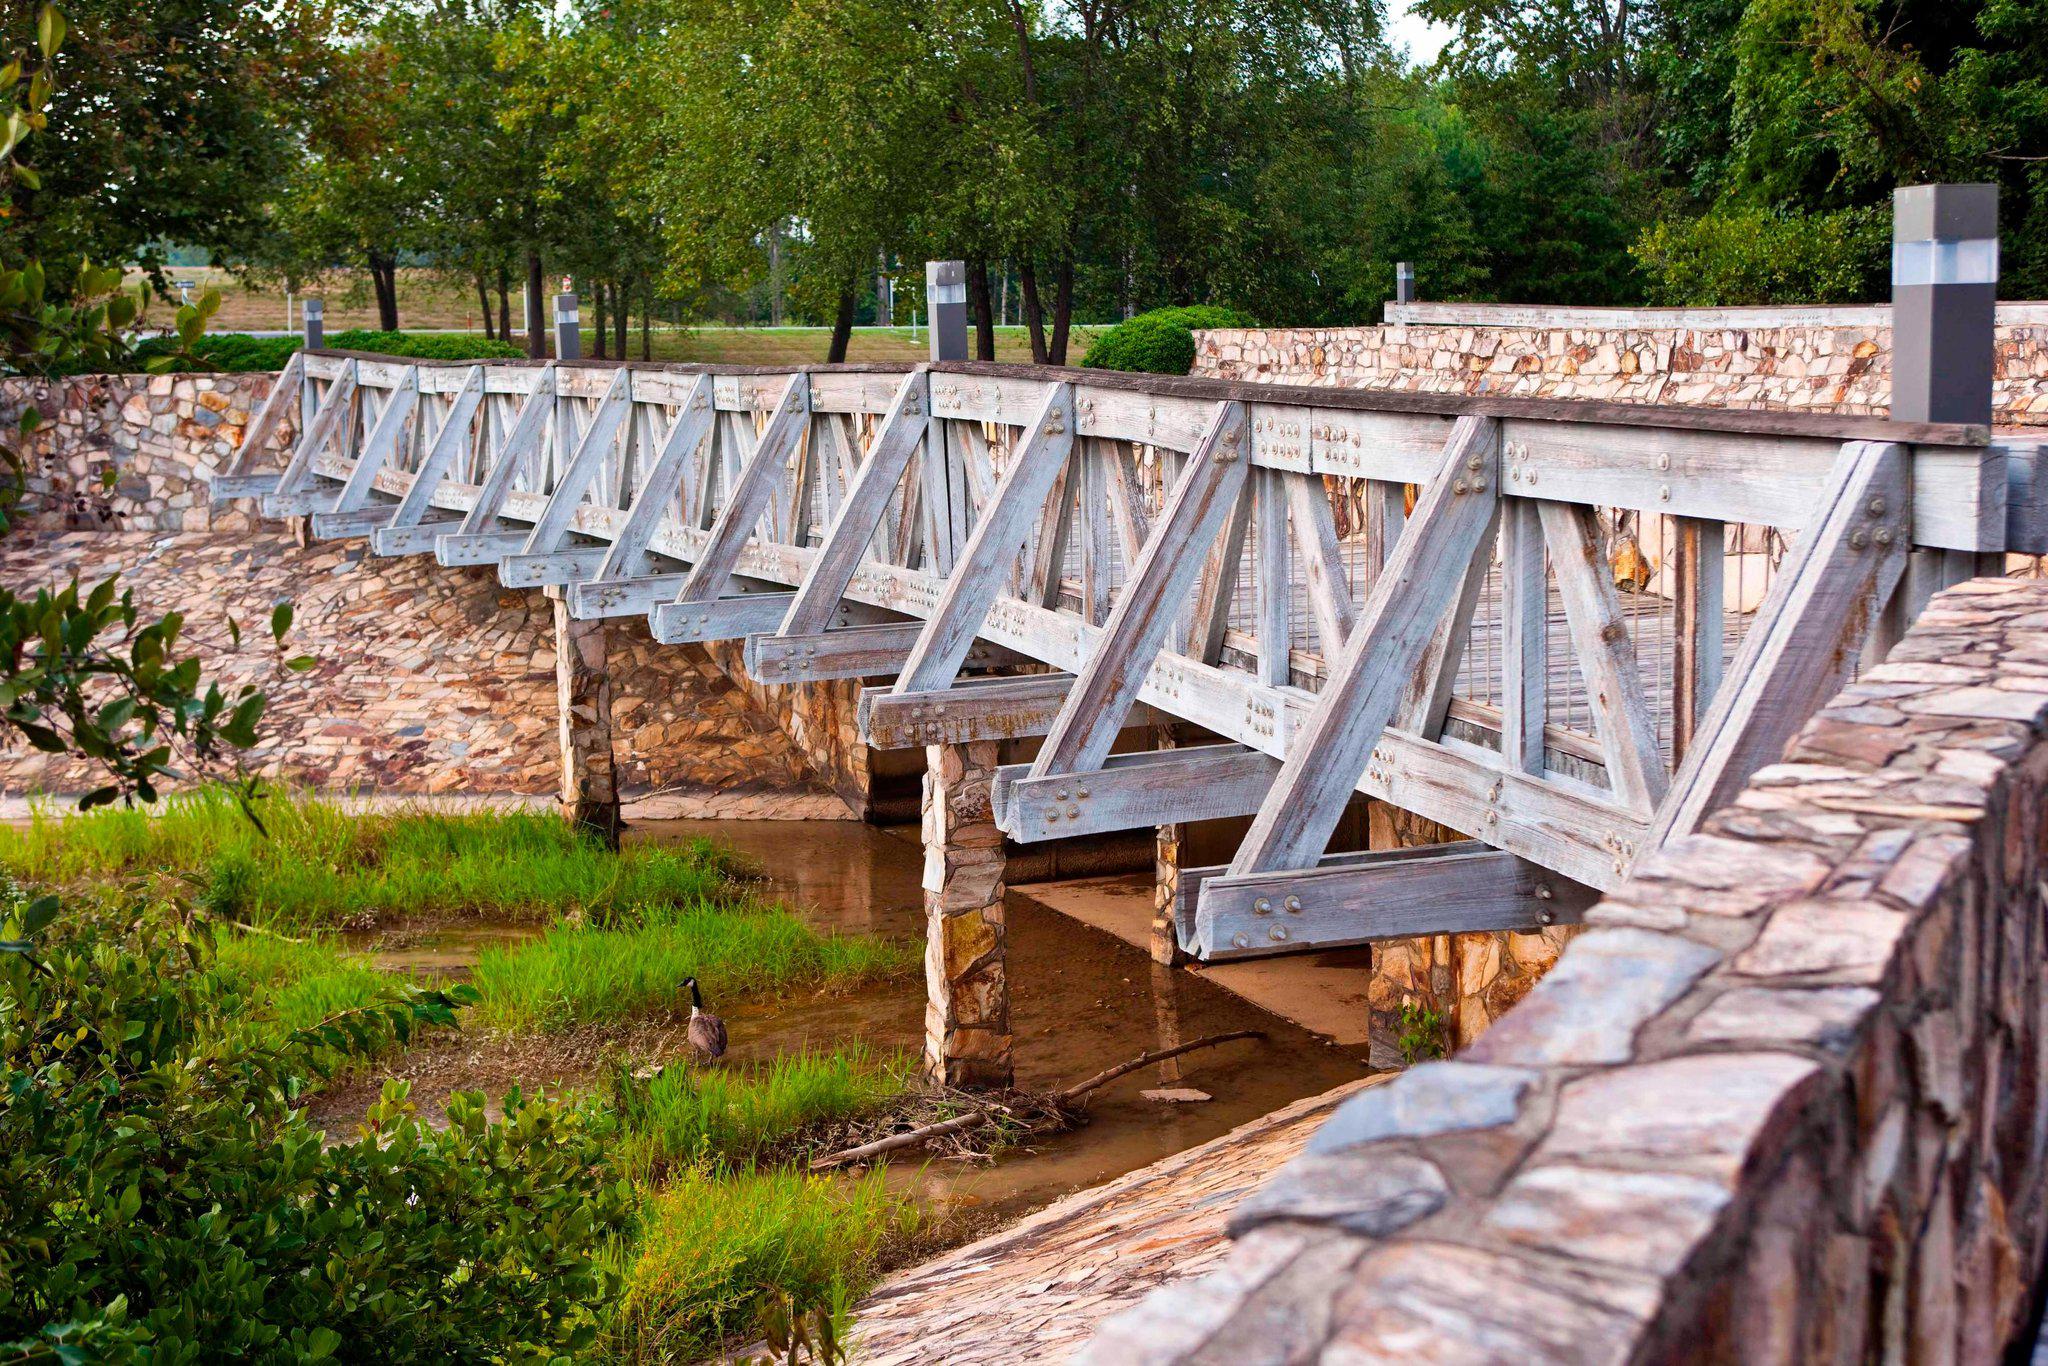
{"x":1782,"y":1101}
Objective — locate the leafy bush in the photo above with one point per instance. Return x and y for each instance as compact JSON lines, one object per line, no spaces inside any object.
{"x":236,"y":351}
{"x":1161,"y":342}
{"x":1734,"y":256}
{"x":165,"y":1200}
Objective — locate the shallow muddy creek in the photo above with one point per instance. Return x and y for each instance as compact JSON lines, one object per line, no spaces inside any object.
{"x":1081,"y":1001}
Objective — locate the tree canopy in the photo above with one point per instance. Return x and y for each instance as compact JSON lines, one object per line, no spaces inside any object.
{"x":1090,"y":159}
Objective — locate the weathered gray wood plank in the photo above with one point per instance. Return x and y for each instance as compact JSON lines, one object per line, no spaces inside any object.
{"x":1130,"y":791}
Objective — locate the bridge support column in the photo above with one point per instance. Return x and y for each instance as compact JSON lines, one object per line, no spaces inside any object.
{"x":1166,"y":865}
{"x":583,"y":700}
{"x":967,"y":1001}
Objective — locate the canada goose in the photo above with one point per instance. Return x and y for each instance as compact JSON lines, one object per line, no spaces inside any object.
{"x":707,"y":1031}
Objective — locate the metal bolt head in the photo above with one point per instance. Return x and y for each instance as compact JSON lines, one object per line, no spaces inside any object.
{"x":1473,"y":463}
{"x":1883,"y":535}
{"x":1457,"y":486}
{"x":1262,"y":907}
{"x":1293,"y":905}
{"x":1859,"y":538}
{"x":1663,"y":493}
{"x":1241,"y":940}
{"x":1279,"y":933}
{"x":1877,"y":506}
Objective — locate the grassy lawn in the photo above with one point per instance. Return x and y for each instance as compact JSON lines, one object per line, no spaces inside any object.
{"x":426,"y":301}
{"x":319,"y":864}
{"x":727,"y":1219}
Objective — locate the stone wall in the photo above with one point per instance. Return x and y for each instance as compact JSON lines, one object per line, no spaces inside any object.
{"x":133,"y":452}
{"x":1791,"y":366}
{"x":1782,"y":1101}
{"x":427,"y":680}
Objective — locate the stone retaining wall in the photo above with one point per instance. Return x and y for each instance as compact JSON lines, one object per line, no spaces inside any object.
{"x":1782,"y":1101}
{"x":1791,"y":367}
{"x":133,"y":452}
{"x":428,"y":680}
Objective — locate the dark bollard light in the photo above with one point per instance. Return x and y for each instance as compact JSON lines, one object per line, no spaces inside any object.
{"x":945,"y":301}
{"x":568,"y":328}
{"x":1404,"y":282}
{"x":1944,"y":301}
{"x":313,"y":317}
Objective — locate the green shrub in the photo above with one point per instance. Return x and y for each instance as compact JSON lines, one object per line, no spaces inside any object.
{"x":166,"y":1202}
{"x":1161,"y":342}
{"x":236,"y":351}
{"x":1736,"y":255}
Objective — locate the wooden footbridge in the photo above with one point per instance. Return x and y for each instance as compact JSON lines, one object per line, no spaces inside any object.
{"x":1432,"y":600}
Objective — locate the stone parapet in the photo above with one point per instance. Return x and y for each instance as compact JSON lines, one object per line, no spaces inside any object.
{"x":1782,"y":1100}
{"x":1786,"y":368}
{"x":133,"y":452}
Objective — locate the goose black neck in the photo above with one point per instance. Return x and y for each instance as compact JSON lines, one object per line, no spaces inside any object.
{"x":696,"y":997}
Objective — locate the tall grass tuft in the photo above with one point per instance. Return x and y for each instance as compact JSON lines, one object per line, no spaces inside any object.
{"x":322,"y":864}
{"x":293,"y":986}
{"x":729,"y":1119}
{"x":635,"y":966}
{"x":712,"y":1248}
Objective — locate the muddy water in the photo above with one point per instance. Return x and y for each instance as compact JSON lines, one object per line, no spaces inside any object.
{"x":1080,"y":1001}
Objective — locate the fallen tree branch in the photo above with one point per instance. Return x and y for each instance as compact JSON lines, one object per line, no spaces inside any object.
{"x":976,"y":1118}
{"x":1108,"y":1075}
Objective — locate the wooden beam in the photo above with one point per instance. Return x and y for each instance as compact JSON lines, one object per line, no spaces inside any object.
{"x":1096,"y":527}
{"x":1458,"y":888}
{"x":1427,"y":699}
{"x":593,"y":449}
{"x":1218,"y":585}
{"x":749,"y":495}
{"x":1421,"y":581}
{"x":1804,"y":641}
{"x":362,"y":521}
{"x":1606,"y":655}
{"x":477,"y":547}
{"x":972,"y":709}
{"x":597,"y":598}
{"x":238,"y":480}
{"x":851,"y":652}
{"x":1699,"y":631}
{"x":402,"y":535}
{"x":997,"y":538}
{"x":731,"y":618}
{"x":522,"y":443}
{"x":525,"y":570}
{"x":380,"y":445}
{"x":863,"y":508}
{"x":337,"y":410}
{"x":1272,"y":580}
{"x":1129,"y":791}
{"x":1204,"y":497}
{"x":1525,"y":637}
{"x":1322,"y":563}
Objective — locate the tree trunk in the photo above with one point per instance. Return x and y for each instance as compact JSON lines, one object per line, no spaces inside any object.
{"x":384,"y":280}
{"x":483,"y":299}
{"x":1062,"y":309}
{"x":1034,"y":313}
{"x":979,"y":305}
{"x":599,"y":302}
{"x":842,"y":326}
{"x":504,"y":302}
{"x":647,"y":320}
{"x":536,"y":292}
{"x":621,"y":315}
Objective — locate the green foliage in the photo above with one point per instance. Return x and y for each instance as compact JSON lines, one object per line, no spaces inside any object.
{"x":1161,"y":342}
{"x":1738,"y":255}
{"x":236,"y":351}
{"x":1422,"y":1033}
{"x":166,"y":1202}
{"x":729,"y":1118}
{"x":315,"y":863}
{"x":714,"y":1251}
{"x":634,"y":967}
{"x":130,"y":703}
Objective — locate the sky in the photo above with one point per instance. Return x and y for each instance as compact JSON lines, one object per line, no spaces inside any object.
{"x":1419,"y":36}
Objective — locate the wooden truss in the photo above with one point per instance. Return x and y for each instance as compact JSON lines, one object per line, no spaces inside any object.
{"x":1405,"y":596}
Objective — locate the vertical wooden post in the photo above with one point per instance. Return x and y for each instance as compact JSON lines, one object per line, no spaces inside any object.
{"x":967,"y":993}
{"x":583,"y":698}
{"x":1698,"y":633}
{"x":1164,"y":942}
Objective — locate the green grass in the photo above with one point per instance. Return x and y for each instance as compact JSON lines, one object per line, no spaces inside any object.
{"x":322,"y":865}
{"x":575,"y":975}
{"x":712,"y":1248}
{"x":730,"y":1119}
{"x":298,"y":985}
